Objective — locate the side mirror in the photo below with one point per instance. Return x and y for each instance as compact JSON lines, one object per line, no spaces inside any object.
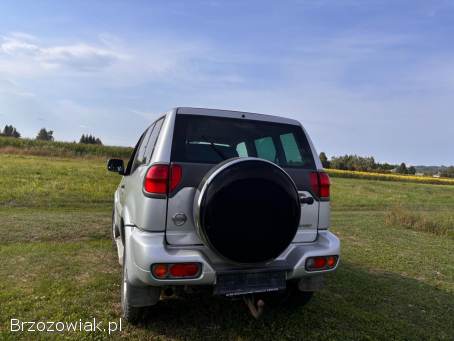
{"x":116,"y":165}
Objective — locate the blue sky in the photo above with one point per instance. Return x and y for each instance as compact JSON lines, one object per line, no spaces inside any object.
{"x":366,"y":77}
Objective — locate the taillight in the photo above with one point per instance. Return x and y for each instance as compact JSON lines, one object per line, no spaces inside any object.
{"x":161,"y":179}
{"x":175,"y":176}
{"x":320,"y":184}
{"x":324,"y":185}
{"x":160,"y":270}
{"x":176,"y":270}
{"x":321,"y":263}
{"x":156,"y":179}
{"x":184,"y":270}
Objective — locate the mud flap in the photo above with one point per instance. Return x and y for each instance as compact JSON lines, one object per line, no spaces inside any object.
{"x":143,"y":296}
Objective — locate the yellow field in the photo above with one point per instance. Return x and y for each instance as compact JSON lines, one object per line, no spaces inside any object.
{"x":389,"y":177}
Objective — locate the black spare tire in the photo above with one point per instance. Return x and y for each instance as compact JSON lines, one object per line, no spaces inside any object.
{"x":247,"y":210}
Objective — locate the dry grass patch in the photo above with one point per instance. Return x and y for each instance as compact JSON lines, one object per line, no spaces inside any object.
{"x":440,"y":225}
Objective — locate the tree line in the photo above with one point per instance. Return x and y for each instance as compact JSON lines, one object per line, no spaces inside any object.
{"x":364,"y":164}
{"x":47,"y":135}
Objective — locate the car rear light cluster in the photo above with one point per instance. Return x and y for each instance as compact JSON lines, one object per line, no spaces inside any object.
{"x":321,"y":263}
{"x":320,"y":184}
{"x":175,"y":270}
{"x":162,"y":178}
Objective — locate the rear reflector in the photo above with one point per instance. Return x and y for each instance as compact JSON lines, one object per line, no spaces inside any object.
{"x":175,"y":270}
{"x":320,"y":184}
{"x":157,"y":178}
{"x":321,"y":263}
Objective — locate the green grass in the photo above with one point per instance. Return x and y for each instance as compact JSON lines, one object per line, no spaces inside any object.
{"x":57,"y":263}
{"x":63,"y":149}
{"x":39,"y":182}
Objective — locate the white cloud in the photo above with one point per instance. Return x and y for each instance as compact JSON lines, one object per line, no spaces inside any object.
{"x":114,"y":62}
{"x":19,"y":50}
{"x":15,"y":47}
{"x":23,"y":36}
{"x":81,"y":57}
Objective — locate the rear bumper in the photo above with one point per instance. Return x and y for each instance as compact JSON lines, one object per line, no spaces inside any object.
{"x":148,"y":248}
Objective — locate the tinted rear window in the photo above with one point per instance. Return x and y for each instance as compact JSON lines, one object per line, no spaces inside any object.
{"x":206,"y":139}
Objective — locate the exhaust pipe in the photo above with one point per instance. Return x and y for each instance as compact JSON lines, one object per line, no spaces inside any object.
{"x":168,"y":292}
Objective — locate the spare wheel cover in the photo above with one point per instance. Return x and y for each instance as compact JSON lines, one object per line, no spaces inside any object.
{"x":247,"y":210}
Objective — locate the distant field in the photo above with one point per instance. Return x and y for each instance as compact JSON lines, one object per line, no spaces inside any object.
{"x":57,"y":263}
{"x":61,"y":149}
{"x":389,"y":177}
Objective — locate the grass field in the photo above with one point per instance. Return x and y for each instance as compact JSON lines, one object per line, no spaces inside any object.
{"x":58,"y":264}
{"x":10,"y":145}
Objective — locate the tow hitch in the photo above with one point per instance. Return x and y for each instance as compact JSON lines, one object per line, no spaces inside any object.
{"x":255,"y":308}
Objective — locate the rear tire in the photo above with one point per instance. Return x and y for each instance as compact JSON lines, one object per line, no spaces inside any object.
{"x":114,"y":230}
{"x":131,"y":314}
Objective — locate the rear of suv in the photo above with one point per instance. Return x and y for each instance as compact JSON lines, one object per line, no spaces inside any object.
{"x":231,"y":201}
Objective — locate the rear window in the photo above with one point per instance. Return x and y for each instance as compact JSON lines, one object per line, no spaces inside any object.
{"x":206,"y":139}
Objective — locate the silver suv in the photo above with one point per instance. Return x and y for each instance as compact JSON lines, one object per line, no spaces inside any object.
{"x":231,"y":201}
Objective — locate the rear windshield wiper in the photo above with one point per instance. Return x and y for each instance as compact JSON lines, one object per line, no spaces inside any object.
{"x":216,"y":149}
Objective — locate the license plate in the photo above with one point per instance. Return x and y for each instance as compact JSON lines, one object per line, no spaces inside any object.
{"x":234,"y":284}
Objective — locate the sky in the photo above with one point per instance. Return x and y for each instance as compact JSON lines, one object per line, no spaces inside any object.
{"x":373,"y":78}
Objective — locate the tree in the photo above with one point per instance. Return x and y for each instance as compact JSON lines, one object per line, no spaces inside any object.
{"x":45,"y":135}
{"x":354,"y":163}
{"x":448,"y":172}
{"x":324,"y":160}
{"x":89,"y":139}
{"x":10,"y":131}
{"x":411,"y":170}
{"x":402,"y":169}
{"x":386,"y":167}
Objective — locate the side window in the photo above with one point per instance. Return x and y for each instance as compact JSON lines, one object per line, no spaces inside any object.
{"x":241,"y":149}
{"x":140,"y":155}
{"x":291,"y":150}
{"x":133,"y":156}
{"x":266,"y":149}
{"x":152,"y":140}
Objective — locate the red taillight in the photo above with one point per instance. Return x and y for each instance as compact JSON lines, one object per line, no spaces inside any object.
{"x":160,"y":270}
{"x":321,"y":263}
{"x":331,"y":261}
{"x":177,"y":270}
{"x":175,"y":176}
{"x":184,"y":270}
{"x":320,"y":184}
{"x":324,"y":185}
{"x":314,"y":183}
{"x":157,"y":178}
